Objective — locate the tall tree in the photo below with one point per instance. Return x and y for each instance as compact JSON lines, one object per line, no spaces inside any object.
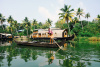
{"x":80,"y":13}
{"x":67,"y":14}
{"x":16,"y":25}
{"x":34,"y":23}
{"x":2,"y":19}
{"x":75,"y":20}
{"x":98,"y":17}
{"x":10,"y":20}
{"x":49,"y":22}
{"x":40,"y":24}
{"x":87,"y":16}
{"x":27,"y":24}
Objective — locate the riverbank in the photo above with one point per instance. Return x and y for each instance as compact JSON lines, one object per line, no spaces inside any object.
{"x":82,"y":39}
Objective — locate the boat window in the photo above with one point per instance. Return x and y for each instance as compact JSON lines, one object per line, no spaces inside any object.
{"x":39,"y":33}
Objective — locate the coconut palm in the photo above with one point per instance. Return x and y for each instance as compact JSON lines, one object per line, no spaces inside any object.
{"x":87,"y":16}
{"x":49,"y":22}
{"x":40,"y":24}
{"x":67,"y":14}
{"x":75,"y":20}
{"x":2,"y":19}
{"x":10,"y":20}
{"x":34,"y":23}
{"x":80,"y":13}
{"x":26,"y":24}
{"x":16,"y":25}
{"x":98,"y":17}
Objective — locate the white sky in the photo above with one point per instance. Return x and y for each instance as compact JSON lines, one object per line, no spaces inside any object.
{"x":41,"y":10}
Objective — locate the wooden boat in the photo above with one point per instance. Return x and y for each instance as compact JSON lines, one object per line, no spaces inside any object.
{"x":41,"y":35}
{"x":43,"y":44}
{"x":39,"y":44}
{"x":4,"y":36}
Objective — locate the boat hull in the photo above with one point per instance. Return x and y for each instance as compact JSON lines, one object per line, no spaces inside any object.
{"x":40,"y":44}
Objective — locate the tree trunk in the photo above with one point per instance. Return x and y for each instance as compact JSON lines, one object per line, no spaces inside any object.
{"x":75,"y":22}
{"x":16,"y":31}
{"x":27,"y":32}
{"x":34,"y":26}
{"x":68,"y":27}
{"x":11,"y":30}
{"x":2,"y":27}
{"x":81,"y":24}
{"x":88,"y":21}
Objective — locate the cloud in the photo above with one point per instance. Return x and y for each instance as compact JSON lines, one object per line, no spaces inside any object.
{"x":46,"y":14}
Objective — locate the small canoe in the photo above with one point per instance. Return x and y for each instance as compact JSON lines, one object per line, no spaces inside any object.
{"x":39,"y":44}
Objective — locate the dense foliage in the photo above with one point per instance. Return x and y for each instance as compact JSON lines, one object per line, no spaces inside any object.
{"x":93,"y":29}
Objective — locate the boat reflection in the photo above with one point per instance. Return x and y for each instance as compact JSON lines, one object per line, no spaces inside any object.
{"x":5,"y":42}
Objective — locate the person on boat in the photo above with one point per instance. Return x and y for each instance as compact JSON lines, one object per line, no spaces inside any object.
{"x":50,"y":35}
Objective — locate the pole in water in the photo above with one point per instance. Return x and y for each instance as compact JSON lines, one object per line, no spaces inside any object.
{"x":57,"y":44}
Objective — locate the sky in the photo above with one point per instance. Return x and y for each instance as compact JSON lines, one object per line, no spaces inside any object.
{"x":41,"y":10}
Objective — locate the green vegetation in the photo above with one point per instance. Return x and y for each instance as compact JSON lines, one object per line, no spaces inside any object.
{"x":26,"y":26}
{"x":66,"y":15}
{"x":81,"y":28}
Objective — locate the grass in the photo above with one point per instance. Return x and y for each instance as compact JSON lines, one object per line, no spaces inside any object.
{"x":87,"y":39}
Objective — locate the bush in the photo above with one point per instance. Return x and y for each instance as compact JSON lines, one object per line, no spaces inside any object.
{"x":85,"y":34}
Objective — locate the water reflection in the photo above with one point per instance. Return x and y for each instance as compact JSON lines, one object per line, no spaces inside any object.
{"x":5,"y":42}
{"x":73,"y":55}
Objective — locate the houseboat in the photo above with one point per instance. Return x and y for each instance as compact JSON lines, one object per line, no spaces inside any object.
{"x":58,"y":34}
{"x":41,"y":38}
{"x":5,"y":36}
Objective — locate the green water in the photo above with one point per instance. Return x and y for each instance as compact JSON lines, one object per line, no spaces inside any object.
{"x":73,"y":55}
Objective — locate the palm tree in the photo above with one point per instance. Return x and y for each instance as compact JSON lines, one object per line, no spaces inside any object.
{"x":2,"y":19}
{"x":75,"y":20}
{"x":87,"y":16}
{"x":10,"y":20}
{"x":16,"y":25}
{"x":40,"y":24}
{"x":98,"y":17}
{"x":34,"y":23}
{"x":27,"y":24}
{"x":80,"y":13}
{"x":49,"y":22}
{"x":67,"y":14}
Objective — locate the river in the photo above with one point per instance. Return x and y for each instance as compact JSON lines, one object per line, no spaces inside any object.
{"x":72,"y":55}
